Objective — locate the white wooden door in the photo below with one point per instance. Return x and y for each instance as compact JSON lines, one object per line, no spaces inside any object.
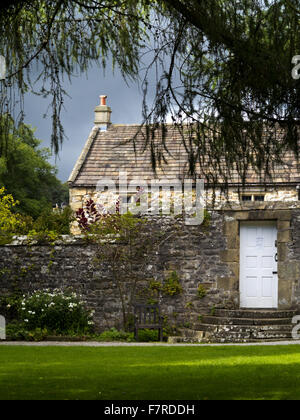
{"x":258,"y":265}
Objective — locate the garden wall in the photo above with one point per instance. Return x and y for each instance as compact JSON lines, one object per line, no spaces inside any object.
{"x":205,"y":255}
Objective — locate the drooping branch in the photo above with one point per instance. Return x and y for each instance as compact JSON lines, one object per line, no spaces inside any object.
{"x":227,"y":87}
{"x":222,"y":69}
{"x":62,"y":38}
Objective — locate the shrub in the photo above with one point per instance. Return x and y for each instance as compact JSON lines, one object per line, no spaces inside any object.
{"x":9,"y":306}
{"x":115,"y":335}
{"x":18,"y":331}
{"x":60,"y":312}
{"x":126,"y":244}
{"x":155,"y":286}
{"x":147,"y":335}
{"x":46,"y":228}
{"x":55,"y":221}
{"x":10,"y":222}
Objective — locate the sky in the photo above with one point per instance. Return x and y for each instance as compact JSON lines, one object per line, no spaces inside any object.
{"x":78,"y":116}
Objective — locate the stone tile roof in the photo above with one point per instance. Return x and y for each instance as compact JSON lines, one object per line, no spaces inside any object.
{"x":106,"y":153}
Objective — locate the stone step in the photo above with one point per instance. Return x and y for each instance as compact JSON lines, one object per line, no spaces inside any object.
{"x":255,"y":314}
{"x":234,"y":336}
{"x":242,"y":333}
{"x":247,"y":328}
{"x":244,"y":340}
{"x":214,"y":320}
{"x":240,"y":326}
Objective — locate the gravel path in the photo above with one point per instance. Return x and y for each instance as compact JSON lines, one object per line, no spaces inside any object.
{"x":117,"y":344}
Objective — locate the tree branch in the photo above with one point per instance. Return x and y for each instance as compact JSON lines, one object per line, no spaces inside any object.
{"x":42,"y":45}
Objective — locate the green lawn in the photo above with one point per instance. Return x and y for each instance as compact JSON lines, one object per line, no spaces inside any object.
{"x":150,"y":373}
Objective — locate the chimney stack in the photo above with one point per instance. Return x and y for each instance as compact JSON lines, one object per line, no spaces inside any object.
{"x":102,"y":114}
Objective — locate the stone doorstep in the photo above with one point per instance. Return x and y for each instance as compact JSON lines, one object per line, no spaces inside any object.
{"x":246,"y":341}
{"x":246,"y":328}
{"x":238,"y":326}
{"x":214,"y":320}
{"x":236,"y":334}
{"x":255,"y":314}
{"x":209,"y":333}
{"x":233,"y":338}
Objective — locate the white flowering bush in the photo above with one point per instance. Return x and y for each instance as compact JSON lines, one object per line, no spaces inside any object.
{"x":60,"y":312}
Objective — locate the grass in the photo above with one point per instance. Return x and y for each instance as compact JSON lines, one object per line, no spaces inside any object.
{"x":150,"y":373}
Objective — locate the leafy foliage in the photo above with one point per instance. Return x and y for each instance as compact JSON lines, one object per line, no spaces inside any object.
{"x":115,"y":335}
{"x":63,"y":38}
{"x":223,"y":71}
{"x":172,"y":286}
{"x":57,"y":311}
{"x":224,"y":78}
{"x":18,"y":331}
{"x":201,"y":291}
{"x":47,"y":228}
{"x":145,"y":335}
{"x":55,"y":221}
{"x":10,"y":223}
{"x":88,"y":216}
{"x":9,"y":306}
{"x":26,"y":173}
{"x":124,"y":243}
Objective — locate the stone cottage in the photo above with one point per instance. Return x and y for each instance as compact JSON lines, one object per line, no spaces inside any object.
{"x":252,"y":254}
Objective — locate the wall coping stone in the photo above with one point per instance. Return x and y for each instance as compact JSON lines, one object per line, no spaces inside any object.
{"x":65,"y":240}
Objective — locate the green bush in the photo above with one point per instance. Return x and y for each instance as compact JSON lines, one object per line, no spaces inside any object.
{"x":60,"y":312}
{"x":55,"y":221}
{"x":48,"y":227}
{"x":148,"y":335}
{"x":9,"y":306}
{"x":16,"y":331}
{"x":115,"y":335}
{"x":11,"y":223}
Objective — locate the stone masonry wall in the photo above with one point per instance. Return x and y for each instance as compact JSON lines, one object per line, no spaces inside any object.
{"x":192,"y":251}
{"x":293,"y":256}
{"x":205,"y":255}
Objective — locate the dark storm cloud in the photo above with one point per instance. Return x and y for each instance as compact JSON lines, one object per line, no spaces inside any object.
{"x":78,"y":116}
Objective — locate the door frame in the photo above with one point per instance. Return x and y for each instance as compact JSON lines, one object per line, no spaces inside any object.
{"x":288,"y":270}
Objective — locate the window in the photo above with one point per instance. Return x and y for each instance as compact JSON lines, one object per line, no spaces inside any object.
{"x":259,"y":198}
{"x":246,"y":197}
